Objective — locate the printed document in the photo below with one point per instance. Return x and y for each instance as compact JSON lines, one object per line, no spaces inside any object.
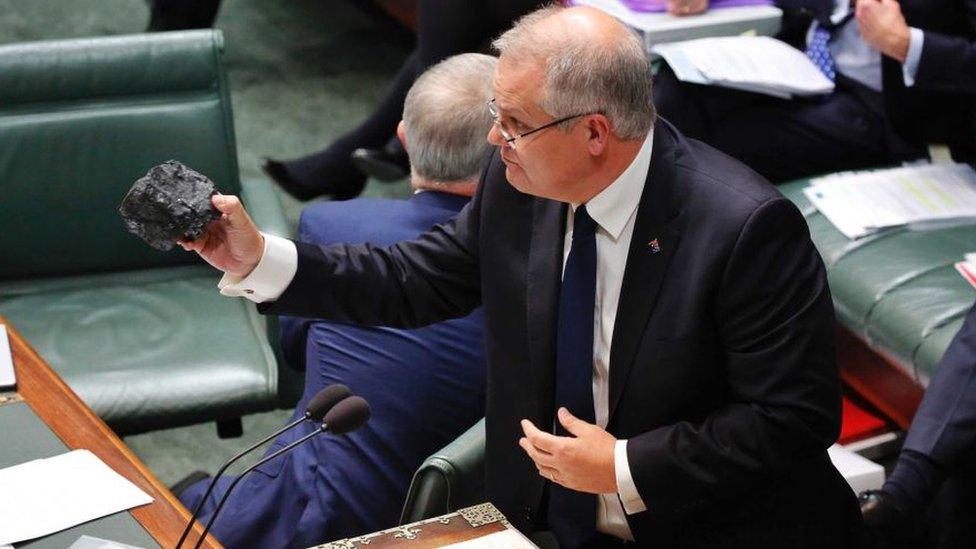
{"x":758,"y":64}
{"x":861,"y":203}
{"x":49,"y":495}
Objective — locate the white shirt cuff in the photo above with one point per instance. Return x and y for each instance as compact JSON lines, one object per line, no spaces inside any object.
{"x":910,"y":67}
{"x":629,"y":498}
{"x":271,"y":276}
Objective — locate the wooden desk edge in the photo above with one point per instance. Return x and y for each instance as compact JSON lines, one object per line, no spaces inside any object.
{"x":78,"y":427}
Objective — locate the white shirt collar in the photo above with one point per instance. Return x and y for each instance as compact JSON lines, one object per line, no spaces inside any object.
{"x":614,"y":206}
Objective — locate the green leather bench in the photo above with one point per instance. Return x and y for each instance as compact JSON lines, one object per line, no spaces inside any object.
{"x":142,"y":336}
{"x":898,"y":297}
{"x":897,"y":290}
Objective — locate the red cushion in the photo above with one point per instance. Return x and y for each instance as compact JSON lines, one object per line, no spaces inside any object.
{"x":857,"y":422}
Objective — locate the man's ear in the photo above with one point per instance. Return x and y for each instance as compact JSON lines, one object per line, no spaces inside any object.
{"x":402,"y":134}
{"x":598,"y":131}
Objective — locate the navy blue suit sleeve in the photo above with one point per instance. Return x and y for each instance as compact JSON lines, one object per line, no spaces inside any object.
{"x":775,"y":319}
{"x":948,"y":63}
{"x":944,"y":427}
{"x":410,"y":284}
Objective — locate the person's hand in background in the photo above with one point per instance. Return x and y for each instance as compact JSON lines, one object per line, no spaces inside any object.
{"x":687,"y":7}
{"x":883,"y":27}
{"x":232,"y":243}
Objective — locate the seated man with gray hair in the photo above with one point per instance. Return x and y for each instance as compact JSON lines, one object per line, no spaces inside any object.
{"x":425,"y":386}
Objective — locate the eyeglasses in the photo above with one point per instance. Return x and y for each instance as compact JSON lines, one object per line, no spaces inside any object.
{"x":509,"y":137}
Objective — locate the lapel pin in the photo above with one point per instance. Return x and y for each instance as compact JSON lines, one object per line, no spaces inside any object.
{"x":654,"y":245}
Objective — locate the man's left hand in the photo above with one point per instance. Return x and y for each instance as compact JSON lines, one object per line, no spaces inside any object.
{"x":583,"y":462}
{"x":883,"y":27}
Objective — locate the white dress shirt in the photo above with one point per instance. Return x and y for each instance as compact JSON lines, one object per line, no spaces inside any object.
{"x":614,"y":210}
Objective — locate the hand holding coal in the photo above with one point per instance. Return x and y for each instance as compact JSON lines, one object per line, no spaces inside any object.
{"x":172,"y":202}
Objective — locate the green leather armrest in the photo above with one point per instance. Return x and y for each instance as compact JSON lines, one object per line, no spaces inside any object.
{"x":265,"y":208}
{"x":450,"y":479}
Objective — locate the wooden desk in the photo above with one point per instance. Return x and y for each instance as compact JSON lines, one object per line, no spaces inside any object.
{"x":78,"y":427}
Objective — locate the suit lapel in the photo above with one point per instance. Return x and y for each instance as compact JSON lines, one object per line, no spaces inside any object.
{"x":542,"y":296}
{"x":651,"y":248}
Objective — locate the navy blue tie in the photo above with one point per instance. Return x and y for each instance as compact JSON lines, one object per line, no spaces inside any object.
{"x":572,"y":515}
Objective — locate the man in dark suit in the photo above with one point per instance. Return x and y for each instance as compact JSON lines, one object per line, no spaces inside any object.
{"x":935,"y":474}
{"x":425,"y":386}
{"x":658,"y":326}
{"x":905,"y":75}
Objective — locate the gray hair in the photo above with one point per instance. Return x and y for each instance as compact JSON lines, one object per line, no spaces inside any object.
{"x":612,"y":78}
{"x":446,"y":120}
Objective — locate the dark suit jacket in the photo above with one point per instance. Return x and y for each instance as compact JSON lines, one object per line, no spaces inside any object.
{"x":425,"y":387}
{"x":941,"y":106}
{"x":722,"y":370}
{"x":943,"y":425}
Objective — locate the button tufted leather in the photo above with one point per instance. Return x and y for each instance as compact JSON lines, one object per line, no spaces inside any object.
{"x":897,"y":290}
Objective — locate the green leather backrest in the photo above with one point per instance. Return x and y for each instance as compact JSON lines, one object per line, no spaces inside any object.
{"x":80,"y":121}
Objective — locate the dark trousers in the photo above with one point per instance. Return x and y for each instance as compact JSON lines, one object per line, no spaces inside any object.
{"x":446,"y":28}
{"x":785,"y":139}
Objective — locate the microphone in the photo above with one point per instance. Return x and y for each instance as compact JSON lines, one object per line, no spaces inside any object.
{"x":318,"y":407}
{"x":348,"y":415}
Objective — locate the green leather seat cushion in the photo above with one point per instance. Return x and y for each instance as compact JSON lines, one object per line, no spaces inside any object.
{"x":148,"y":349}
{"x":898,"y":289}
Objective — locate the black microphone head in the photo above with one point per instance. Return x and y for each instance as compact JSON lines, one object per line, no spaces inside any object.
{"x":325,"y":400}
{"x":348,"y":415}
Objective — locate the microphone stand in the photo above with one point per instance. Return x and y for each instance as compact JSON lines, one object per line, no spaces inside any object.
{"x":213,"y":481}
{"x":321,"y":429}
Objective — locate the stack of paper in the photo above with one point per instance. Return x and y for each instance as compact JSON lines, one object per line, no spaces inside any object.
{"x":752,"y":63}
{"x":862,"y":203}
{"x":8,"y":378}
{"x":658,"y":28}
{"x":44,"y":496}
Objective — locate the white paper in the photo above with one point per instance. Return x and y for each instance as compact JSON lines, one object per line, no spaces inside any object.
{"x":758,"y":64}
{"x":90,"y":542}
{"x":506,"y":539}
{"x":7,"y":377}
{"x":49,"y":495}
{"x":925,"y":196}
{"x":859,"y":472}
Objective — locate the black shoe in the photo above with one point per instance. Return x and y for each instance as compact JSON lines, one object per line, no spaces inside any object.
{"x":187,"y":481}
{"x":387,"y":164}
{"x":340,"y":185}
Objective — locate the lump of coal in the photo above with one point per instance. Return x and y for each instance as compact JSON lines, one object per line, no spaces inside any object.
{"x":170,"y":202}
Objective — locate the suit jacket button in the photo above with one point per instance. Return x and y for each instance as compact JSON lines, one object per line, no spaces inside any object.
{"x":529,"y":515}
